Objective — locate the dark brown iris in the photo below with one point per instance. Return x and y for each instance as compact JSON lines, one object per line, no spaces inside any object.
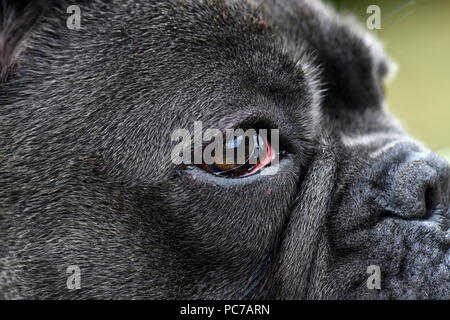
{"x":249,"y":153}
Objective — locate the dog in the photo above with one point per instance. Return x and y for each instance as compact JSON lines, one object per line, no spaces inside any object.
{"x":357,"y":209}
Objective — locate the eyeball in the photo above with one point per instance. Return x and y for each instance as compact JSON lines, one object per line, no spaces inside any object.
{"x":250,"y":154}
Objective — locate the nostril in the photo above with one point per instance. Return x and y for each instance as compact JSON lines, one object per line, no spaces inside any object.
{"x":443,"y":171}
{"x":432,"y":202}
{"x":419,"y":187}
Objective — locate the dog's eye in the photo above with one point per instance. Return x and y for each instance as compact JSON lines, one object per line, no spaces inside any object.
{"x":243,"y":156}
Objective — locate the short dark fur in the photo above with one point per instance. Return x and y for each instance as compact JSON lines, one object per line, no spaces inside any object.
{"x":86,"y":118}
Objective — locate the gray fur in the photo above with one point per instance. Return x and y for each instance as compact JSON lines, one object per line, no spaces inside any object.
{"x":86,"y":179}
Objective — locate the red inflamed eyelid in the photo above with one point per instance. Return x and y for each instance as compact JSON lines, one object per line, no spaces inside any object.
{"x":270,"y":156}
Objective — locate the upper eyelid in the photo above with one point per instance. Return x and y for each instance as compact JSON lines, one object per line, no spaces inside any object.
{"x":247,"y":121}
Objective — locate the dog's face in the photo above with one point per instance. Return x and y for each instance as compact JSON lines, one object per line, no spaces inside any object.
{"x":86,"y":118}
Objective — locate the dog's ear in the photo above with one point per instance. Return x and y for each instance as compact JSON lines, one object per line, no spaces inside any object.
{"x":17,"y":19}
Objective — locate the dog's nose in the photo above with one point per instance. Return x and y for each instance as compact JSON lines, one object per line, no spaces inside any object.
{"x":417,"y":185}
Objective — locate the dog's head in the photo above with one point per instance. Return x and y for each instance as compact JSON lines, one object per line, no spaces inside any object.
{"x":87,"y":118}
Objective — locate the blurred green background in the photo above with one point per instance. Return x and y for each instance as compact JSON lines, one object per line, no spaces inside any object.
{"x":416,"y":34}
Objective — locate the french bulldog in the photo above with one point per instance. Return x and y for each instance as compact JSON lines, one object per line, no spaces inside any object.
{"x":87,"y":184}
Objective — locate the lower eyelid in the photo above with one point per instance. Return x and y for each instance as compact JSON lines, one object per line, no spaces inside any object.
{"x":197,"y":175}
